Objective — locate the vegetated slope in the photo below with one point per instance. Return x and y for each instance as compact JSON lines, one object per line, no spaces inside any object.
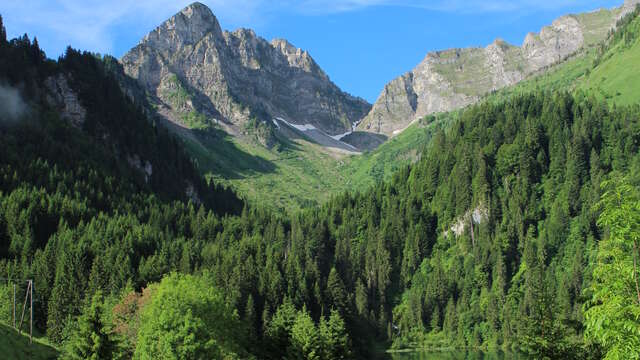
{"x":16,"y":346}
{"x":607,"y":70}
{"x":297,"y":174}
{"x":71,"y":117}
{"x":83,"y":216}
{"x":370,"y":168}
{"x":452,"y":79}
{"x":615,"y":75}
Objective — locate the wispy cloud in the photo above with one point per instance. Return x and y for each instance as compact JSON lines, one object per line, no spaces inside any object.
{"x":92,"y":24}
{"x":466,"y":6}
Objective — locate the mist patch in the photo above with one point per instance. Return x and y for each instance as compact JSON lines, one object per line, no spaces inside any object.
{"x":12,"y":106}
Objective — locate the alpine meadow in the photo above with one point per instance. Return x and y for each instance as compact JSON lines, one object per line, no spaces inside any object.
{"x":214,"y":195}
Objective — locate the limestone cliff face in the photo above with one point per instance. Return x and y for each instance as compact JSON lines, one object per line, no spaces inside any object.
{"x":451,"y":79}
{"x":191,"y":65}
{"x":65,"y":100}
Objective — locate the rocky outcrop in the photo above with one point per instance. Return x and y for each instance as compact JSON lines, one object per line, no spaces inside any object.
{"x":193,"y":67}
{"x":472,"y":217}
{"x":65,"y":100}
{"x":628,"y":6}
{"x":143,"y":166}
{"x":451,"y":79}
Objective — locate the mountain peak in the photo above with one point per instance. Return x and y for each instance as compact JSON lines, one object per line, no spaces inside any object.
{"x":237,"y":76}
{"x":196,"y":7}
{"x":188,"y":26}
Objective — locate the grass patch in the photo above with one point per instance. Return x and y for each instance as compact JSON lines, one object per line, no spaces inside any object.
{"x":293,"y":175}
{"x":617,"y":78}
{"x":16,"y":347}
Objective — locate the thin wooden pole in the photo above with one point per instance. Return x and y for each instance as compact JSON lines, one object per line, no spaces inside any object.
{"x":14,"y":305}
{"x":24,"y":307}
{"x":473,"y":239}
{"x":31,"y":312}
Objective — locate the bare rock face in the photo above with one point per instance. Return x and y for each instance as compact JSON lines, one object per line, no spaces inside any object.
{"x":61,"y":96}
{"x":451,"y":79}
{"x":194,"y":67}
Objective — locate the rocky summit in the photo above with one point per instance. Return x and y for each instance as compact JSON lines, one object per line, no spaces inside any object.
{"x":200,"y":74}
{"x":451,"y":79}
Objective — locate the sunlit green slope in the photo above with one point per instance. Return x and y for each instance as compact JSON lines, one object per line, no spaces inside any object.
{"x":16,"y":346}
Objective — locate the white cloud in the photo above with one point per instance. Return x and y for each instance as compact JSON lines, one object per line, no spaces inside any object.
{"x":91,"y":24}
{"x":467,"y":6}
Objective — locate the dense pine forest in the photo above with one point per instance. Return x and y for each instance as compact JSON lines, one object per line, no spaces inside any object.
{"x":517,"y":229}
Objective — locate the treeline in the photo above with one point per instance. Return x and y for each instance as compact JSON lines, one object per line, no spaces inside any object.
{"x":489,"y":240}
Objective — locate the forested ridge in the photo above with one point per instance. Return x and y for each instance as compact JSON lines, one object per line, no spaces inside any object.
{"x":500,"y":236}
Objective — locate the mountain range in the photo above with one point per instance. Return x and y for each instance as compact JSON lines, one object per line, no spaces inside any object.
{"x":452,"y":79}
{"x":199,"y":75}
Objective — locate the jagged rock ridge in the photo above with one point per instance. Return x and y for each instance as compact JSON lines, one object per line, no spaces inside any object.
{"x":193,"y":67}
{"x":451,"y":79}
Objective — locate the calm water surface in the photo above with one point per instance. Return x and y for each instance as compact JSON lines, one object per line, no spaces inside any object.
{"x":456,"y":355}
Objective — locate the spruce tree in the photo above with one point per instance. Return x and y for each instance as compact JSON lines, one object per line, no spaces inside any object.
{"x":334,"y":338}
{"x":305,"y":340}
{"x":92,"y":339}
{"x":3,"y":32}
{"x":336,"y":292}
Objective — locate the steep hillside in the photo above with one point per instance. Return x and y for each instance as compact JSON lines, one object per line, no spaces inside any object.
{"x":71,"y":117}
{"x":615,"y":75}
{"x":16,"y":346}
{"x":298,"y":174}
{"x":607,"y":70}
{"x":380,"y":164}
{"x":451,"y":79}
{"x":204,"y":76}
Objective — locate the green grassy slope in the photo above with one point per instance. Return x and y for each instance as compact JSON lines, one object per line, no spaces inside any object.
{"x":607,"y":70}
{"x":16,"y":346}
{"x":293,"y":175}
{"x":617,"y":75}
{"x":298,"y":173}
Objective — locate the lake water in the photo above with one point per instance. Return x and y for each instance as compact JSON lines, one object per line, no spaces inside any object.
{"x":456,"y":355}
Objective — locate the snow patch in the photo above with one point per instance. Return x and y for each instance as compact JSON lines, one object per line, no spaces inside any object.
{"x":340,"y":136}
{"x":305,"y":127}
{"x":354,"y":126}
{"x":314,"y":132}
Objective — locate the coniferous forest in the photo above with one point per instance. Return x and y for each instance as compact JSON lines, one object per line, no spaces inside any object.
{"x":518,"y":228}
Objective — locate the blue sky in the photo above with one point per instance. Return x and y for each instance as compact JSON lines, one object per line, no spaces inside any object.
{"x":361,"y":44}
